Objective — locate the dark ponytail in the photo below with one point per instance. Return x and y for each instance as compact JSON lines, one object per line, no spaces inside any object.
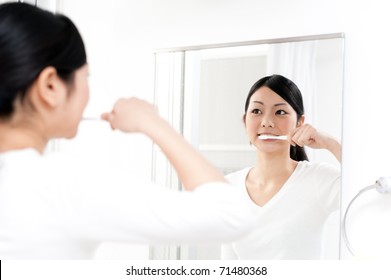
{"x":32,"y":39}
{"x":291,"y":94}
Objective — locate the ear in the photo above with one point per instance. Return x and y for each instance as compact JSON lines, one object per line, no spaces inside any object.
{"x":51,"y":89}
{"x":244,"y":120}
{"x":300,"y":122}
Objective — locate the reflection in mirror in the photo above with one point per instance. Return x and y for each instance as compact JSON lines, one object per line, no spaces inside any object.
{"x":202,"y":90}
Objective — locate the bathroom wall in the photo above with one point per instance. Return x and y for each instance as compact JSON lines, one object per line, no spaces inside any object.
{"x":121,"y":35}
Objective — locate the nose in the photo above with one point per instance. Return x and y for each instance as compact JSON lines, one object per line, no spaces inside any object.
{"x":267,"y":122}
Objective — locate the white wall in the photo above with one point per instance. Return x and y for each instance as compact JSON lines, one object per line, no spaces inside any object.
{"x":120,"y":37}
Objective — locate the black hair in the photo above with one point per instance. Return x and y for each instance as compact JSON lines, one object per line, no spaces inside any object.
{"x":32,"y":39}
{"x":289,"y":91}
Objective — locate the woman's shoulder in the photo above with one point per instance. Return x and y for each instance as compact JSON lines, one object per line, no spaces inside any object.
{"x":238,"y":176}
{"x":320,"y":172}
{"x":318,"y":167}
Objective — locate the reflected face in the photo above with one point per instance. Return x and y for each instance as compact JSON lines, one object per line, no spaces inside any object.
{"x":268,"y":113}
{"x":76,"y":102}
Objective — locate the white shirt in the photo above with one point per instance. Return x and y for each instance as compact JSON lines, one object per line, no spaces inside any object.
{"x":291,"y":222}
{"x":53,"y":207}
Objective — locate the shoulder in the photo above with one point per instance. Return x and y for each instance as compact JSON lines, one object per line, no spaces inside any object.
{"x":322,"y":177}
{"x":319,"y":169}
{"x":67,"y":165}
{"x":238,"y":177}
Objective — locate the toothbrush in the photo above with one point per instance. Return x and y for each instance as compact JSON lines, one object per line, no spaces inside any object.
{"x":265,"y":137}
{"x":91,"y":119}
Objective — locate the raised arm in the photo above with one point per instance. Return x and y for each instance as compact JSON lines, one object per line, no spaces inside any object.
{"x":136,"y":115}
{"x":309,"y":136}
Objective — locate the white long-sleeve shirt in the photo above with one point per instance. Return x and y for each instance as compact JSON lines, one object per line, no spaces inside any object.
{"x":290,"y":224}
{"x":53,"y":207}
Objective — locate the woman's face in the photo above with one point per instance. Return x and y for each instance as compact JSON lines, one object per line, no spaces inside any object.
{"x":76,"y":102}
{"x":268,"y":113}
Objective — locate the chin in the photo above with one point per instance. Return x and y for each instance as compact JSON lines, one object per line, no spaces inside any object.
{"x":70,"y":134}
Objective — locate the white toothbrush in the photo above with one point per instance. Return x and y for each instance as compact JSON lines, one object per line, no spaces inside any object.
{"x":91,"y":119}
{"x":265,"y":137}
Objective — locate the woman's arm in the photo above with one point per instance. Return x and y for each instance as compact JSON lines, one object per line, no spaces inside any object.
{"x":307,"y":135}
{"x":136,"y":115}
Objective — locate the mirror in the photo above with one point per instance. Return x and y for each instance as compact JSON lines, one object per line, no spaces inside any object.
{"x":201,"y":90}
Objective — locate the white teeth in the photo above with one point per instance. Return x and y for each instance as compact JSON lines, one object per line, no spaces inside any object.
{"x":265,"y":137}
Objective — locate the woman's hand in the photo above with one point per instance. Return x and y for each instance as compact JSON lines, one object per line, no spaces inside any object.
{"x":132,"y":115}
{"x":307,"y":135}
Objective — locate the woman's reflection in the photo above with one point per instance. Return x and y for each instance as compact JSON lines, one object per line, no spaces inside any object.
{"x":293,"y":195}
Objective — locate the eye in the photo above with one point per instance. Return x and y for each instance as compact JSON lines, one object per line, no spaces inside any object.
{"x":281,"y":112}
{"x":256,"y":111}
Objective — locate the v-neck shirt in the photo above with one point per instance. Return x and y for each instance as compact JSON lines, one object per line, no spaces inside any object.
{"x":292,"y":221}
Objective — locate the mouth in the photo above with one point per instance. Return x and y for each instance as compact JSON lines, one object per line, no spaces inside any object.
{"x":264,"y":136}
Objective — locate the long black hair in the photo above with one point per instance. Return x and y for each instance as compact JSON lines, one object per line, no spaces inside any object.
{"x":32,"y":39}
{"x":289,"y":91}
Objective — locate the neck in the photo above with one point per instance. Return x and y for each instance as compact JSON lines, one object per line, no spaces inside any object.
{"x":21,"y":137}
{"x":272,"y":167}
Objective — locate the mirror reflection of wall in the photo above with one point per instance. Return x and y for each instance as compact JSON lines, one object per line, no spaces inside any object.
{"x":202,"y":91}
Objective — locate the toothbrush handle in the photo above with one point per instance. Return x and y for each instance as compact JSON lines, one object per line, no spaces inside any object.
{"x":280,"y":137}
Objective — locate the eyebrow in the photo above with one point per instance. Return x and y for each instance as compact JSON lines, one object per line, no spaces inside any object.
{"x":275,"y":105}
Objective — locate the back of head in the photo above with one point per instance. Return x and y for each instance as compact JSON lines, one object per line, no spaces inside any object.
{"x":32,"y":39}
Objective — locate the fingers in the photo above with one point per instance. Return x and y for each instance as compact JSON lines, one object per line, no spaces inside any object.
{"x":303,"y":136}
{"x":117,"y":114}
{"x":108,"y":117}
{"x":131,"y":115}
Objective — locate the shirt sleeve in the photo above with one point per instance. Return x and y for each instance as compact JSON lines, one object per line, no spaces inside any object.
{"x":108,"y":205}
{"x":328,"y":180}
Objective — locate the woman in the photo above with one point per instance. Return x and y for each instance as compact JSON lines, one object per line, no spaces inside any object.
{"x":53,"y":207}
{"x":293,"y":196}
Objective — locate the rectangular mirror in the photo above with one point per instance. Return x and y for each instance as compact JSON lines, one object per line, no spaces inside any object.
{"x":201,"y":90}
